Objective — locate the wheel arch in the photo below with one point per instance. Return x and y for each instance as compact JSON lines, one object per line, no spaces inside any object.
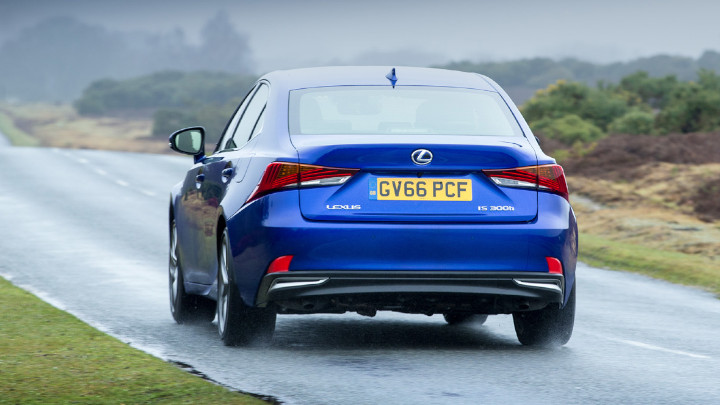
{"x":171,"y":212}
{"x":219,"y":229}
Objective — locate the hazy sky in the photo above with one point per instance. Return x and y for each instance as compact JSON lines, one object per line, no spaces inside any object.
{"x":286,"y":33}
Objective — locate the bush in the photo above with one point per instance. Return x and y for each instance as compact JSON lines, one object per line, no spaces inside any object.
{"x":635,"y":122}
{"x":165,"y":122}
{"x":167,"y":89}
{"x":212,"y":117}
{"x":597,"y":106}
{"x":654,"y":91}
{"x":568,"y":129}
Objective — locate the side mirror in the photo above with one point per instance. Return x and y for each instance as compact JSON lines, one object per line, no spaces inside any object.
{"x":190,"y":141}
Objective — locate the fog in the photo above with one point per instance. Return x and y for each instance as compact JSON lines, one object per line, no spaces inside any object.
{"x":286,"y":33}
{"x":279,"y":34}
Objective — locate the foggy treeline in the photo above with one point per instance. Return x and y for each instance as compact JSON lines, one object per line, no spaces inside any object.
{"x":521,"y":78}
{"x":57,"y":58}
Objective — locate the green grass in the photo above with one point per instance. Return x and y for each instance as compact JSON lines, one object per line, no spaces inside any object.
{"x":676,"y":267}
{"x":16,"y":136}
{"x":49,"y":356}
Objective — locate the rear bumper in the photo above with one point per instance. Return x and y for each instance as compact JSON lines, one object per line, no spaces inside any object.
{"x":425,"y":292}
{"x":272,"y":227}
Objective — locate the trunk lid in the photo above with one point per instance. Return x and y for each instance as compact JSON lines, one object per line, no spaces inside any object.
{"x":390,"y":187}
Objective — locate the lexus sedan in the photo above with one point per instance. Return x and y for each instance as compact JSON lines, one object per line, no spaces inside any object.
{"x":365,"y":189}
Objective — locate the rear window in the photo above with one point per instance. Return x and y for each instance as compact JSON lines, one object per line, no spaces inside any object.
{"x":378,"y":110}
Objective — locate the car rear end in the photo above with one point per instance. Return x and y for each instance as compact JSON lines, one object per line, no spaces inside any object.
{"x":424,"y":199}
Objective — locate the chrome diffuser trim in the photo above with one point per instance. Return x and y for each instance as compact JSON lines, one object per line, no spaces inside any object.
{"x":548,"y":286}
{"x":278,"y":284}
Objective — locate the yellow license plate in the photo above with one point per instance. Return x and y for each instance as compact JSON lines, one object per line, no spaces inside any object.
{"x":420,"y":189}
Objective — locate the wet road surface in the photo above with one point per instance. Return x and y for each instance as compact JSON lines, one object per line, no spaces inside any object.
{"x":87,"y":231}
{"x":4,"y":142}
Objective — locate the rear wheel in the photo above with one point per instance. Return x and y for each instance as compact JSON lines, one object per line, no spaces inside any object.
{"x":454,"y":318}
{"x":550,"y":326}
{"x":238,"y":324}
{"x":185,"y":308}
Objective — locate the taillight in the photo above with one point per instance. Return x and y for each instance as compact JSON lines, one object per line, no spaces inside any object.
{"x":283,"y":175}
{"x":550,"y":178}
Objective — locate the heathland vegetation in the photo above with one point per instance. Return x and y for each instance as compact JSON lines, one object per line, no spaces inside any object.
{"x":572,"y":112}
{"x":174,"y":99}
{"x":568,"y":111}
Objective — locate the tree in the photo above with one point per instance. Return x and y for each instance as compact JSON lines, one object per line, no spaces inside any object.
{"x":693,"y":107}
{"x":57,"y":58}
{"x":653,"y":91}
{"x":223,"y":47}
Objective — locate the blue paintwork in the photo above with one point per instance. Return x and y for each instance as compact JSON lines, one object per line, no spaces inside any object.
{"x":406,"y":237}
{"x":461,"y":157}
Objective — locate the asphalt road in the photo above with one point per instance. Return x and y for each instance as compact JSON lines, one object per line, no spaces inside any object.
{"x":86,"y":231}
{"x":4,"y":142}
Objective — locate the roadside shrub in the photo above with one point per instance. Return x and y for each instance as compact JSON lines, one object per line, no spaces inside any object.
{"x":635,"y":122}
{"x":166,"y":121}
{"x":693,"y":107}
{"x":602,"y":107}
{"x":568,"y":129}
{"x":652,"y":90}
{"x":212,"y":117}
{"x":555,"y":101}
{"x":597,"y":106}
{"x":162,"y":90}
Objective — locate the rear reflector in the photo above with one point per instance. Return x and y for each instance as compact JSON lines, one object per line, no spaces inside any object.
{"x":549,"y":178}
{"x":283,"y":175}
{"x":281,"y":264}
{"x":554,"y":265}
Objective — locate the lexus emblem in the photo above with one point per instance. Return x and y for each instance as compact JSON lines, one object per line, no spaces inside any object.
{"x":422,"y":157}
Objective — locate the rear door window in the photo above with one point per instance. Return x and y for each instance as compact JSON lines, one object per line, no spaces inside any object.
{"x":251,"y":118}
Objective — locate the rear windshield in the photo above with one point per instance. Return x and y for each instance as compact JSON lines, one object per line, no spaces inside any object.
{"x":419,"y":110}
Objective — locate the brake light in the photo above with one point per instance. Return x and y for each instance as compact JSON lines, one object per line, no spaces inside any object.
{"x":550,"y":178}
{"x":284,"y":175}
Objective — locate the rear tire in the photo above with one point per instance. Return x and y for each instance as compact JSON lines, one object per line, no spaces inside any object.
{"x":238,"y":324}
{"x":455,"y":318}
{"x":550,"y":326}
{"x":185,"y":308}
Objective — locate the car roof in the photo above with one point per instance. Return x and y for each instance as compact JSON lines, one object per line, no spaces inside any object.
{"x":375,"y":76}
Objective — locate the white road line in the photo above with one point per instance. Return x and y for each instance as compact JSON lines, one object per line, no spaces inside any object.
{"x":658,"y":348}
{"x":102,"y":172}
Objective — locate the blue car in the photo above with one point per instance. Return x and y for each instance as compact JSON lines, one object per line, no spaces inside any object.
{"x":365,"y":189}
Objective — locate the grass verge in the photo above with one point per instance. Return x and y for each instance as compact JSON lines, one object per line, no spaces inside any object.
{"x":16,"y":136}
{"x":682,"y":268}
{"x":49,"y":356}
